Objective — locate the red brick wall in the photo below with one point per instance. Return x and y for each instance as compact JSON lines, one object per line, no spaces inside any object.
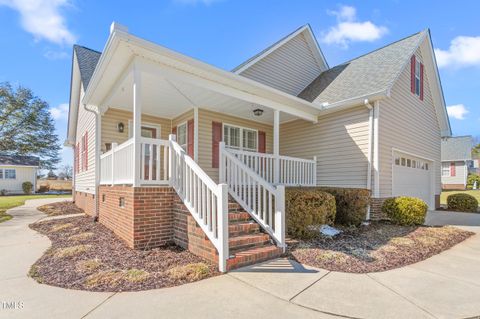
{"x":453,"y":186}
{"x":189,"y":235}
{"x":85,"y":201}
{"x":152,"y":217}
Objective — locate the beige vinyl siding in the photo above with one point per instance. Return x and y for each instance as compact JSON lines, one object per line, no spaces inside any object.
{"x":22,"y":174}
{"x":85,"y":180}
{"x":112,"y":117}
{"x":290,"y":68}
{"x":205,"y":119}
{"x":182,"y":118}
{"x":340,"y":142}
{"x":460,"y":174}
{"x":410,"y":125}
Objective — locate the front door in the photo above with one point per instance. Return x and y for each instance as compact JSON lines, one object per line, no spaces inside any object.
{"x":149,"y":132}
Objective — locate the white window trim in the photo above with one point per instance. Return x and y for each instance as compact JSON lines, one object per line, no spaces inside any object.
{"x":242,"y":148}
{"x":449,"y":170}
{"x":10,"y":179}
{"x":184,"y":146}
{"x":418,"y":63}
{"x":156,"y":126}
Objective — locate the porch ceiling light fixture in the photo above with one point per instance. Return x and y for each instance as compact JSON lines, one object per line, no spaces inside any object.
{"x":258,"y":112}
{"x":120,"y":127}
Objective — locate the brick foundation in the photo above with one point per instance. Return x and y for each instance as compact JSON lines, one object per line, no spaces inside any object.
{"x":453,"y":187}
{"x":85,"y":201}
{"x":152,"y":217}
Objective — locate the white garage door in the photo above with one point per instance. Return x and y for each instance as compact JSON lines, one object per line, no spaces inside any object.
{"x":412,"y":176}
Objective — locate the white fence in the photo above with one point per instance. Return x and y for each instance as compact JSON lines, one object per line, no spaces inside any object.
{"x":292,"y":171}
{"x":116,"y":165}
{"x":206,"y":201}
{"x":263,"y":201}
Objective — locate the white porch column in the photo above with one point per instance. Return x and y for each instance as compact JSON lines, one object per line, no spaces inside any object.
{"x":195,"y":134}
{"x":137,"y":127}
{"x":276,"y":145}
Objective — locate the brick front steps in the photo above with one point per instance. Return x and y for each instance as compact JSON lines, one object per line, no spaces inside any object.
{"x":248,"y":245}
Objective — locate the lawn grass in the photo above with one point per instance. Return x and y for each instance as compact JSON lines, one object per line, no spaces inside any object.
{"x":7,"y":202}
{"x":444,"y":195}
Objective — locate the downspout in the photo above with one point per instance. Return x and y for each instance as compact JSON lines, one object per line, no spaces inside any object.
{"x":370,"y":152}
{"x":98,"y":123}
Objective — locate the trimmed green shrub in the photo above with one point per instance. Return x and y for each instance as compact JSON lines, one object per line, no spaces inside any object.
{"x":462,"y":202}
{"x":352,"y":204}
{"x":405,"y":210}
{"x":27,"y":187}
{"x":307,"y":208}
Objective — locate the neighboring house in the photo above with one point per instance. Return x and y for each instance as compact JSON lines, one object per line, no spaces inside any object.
{"x":15,"y":170}
{"x":456,"y":161}
{"x":161,"y":139}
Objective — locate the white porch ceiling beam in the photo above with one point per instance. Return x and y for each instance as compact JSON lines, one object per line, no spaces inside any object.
{"x":166,"y":71}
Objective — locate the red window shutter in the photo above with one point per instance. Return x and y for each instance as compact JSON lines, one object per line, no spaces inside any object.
{"x":421,"y":81}
{"x":216,"y":139}
{"x":452,"y":169}
{"x":86,"y":150}
{"x":74,"y":158}
{"x":174,"y":132}
{"x":412,"y":74}
{"x":262,"y":142}
{"x":190,"y":138}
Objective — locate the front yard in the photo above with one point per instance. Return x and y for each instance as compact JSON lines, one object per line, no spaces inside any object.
{"x":377,"y":247}
{"x":7,"y":202}
{"x":444,"y":195}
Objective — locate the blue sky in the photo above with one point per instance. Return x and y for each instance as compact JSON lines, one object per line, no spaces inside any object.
{"x":36,"y":37}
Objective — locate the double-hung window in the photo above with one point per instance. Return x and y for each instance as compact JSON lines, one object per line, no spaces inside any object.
{"x":240,"y":138}
{"x":417,"y":77}
{"x":10,"y":173}
{"x":445,"y":169}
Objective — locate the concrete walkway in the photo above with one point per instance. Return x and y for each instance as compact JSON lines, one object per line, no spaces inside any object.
{"x":444,"y":286}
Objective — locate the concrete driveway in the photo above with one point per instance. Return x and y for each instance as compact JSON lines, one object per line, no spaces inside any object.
{"x":444,"y":286}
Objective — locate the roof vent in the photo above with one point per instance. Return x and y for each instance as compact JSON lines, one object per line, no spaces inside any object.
{"x":115,"y":26}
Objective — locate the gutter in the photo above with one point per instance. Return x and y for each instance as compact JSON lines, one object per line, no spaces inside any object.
{"x":327,"y":108}
{"x":98,"y":124}
{"x":370,"y":151}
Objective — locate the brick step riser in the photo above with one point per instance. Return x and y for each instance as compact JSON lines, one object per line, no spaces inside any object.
{"x":235,"y":248}
{"x":253,"y":258}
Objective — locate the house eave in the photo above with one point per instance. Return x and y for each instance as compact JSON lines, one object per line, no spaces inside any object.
{"x":328,"y":108}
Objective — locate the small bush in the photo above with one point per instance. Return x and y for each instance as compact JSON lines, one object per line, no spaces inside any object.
{"x":405,"y":210}
{"x":27,"y":187}
{"x":3,"y":192}
{"x":306,"y":208}
{"x":351,"y":203}
{"x":462,"y":203}
{"x":471,"y":179}
{"x":43,"y":188}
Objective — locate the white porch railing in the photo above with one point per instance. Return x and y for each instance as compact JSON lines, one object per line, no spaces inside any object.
{"x":116,"y":165}
{"x":263,"y":201}
{"x":292,"y":171}
{"x":206,"y":201}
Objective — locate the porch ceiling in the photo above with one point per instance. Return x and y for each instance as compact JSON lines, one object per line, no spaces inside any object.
{"x":170,"y":98}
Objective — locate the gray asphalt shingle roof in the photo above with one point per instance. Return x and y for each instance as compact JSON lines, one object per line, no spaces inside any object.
{"x":19,"y":160}
{"x":457,"y":148}
{"x":87,"y":61}
{"x":370,"y":73}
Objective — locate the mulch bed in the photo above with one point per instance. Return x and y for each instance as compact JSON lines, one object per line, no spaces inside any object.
{"x":60,"y":208}
{"x":86,"y":255}
{"x":377,"y":247}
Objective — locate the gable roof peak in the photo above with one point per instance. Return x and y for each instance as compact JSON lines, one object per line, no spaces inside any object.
{"x":87,"y":60}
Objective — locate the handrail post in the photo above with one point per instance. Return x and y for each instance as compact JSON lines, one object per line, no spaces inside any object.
{"x":171,"y":168}
{"x":114,"y":146}
{"x":280,"y":216}
{"x":221,"y":162}
{"x":222,"y":224}
{"x":315,"y":171}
